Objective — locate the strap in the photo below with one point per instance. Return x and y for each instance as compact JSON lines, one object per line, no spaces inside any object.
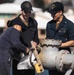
{"x":25,"y":22}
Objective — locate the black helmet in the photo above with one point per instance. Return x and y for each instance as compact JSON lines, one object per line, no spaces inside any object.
{"x":55,"y":7}
{"x":26,"y":6}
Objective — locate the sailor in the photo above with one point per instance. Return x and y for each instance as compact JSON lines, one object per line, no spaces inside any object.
{"x":60,"y":28}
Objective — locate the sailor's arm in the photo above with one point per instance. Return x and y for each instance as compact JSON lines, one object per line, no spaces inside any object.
{"x":68,"y":44}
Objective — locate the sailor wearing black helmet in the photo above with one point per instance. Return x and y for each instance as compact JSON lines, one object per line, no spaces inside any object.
{"x":29,"y":33}
{"x":26,"y":9}
{"x":60,"y":28}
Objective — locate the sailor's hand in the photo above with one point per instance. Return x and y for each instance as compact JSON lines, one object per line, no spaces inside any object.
{"x":34,"y":43}
{"x":27,"y":51}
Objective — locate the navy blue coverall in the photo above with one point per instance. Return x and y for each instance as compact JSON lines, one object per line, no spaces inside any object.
{"x":65,"y":32}
{"x":28,"y":34}
{"x":9,"y":39}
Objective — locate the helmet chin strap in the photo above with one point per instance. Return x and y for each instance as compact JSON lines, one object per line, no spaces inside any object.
{"x":23,"y":20}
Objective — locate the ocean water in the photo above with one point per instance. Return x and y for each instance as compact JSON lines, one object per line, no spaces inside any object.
{"x":44,"y":73}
